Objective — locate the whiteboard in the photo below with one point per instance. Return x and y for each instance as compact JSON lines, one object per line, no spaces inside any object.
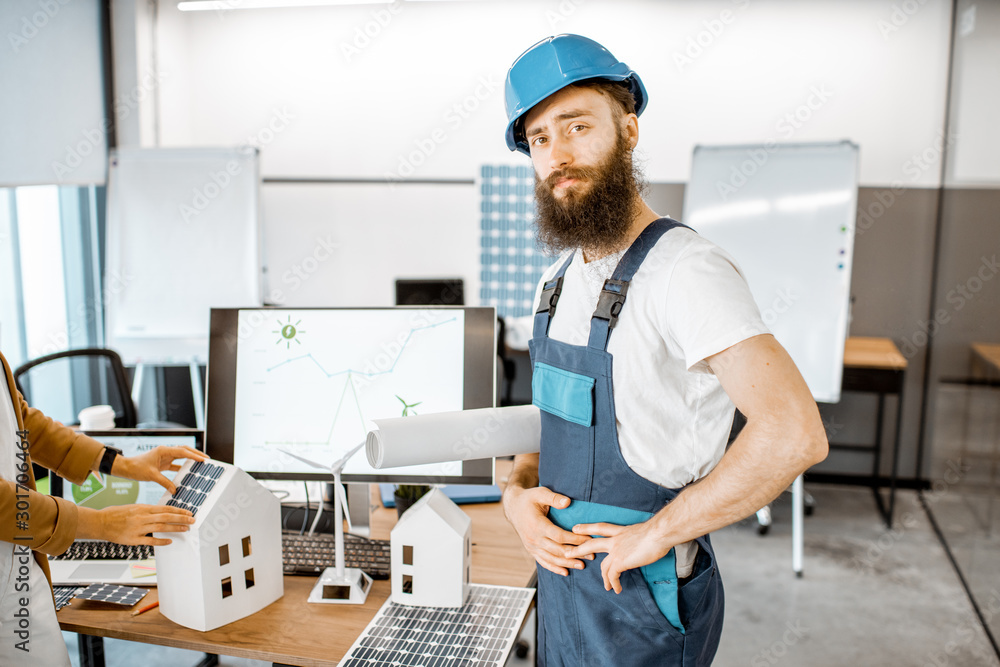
{"x":183,"y":237}
{"x":786,"y":213}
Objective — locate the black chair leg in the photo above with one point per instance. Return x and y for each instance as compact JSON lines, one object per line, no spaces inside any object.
{"x":91,"y":650}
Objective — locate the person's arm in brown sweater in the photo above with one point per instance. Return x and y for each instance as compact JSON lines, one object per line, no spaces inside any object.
{"x":50,"y":525}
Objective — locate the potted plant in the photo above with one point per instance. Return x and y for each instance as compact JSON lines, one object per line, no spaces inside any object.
{"x":407,"y":494}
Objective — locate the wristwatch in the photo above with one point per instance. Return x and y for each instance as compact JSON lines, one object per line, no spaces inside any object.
{"x":108,"y":460}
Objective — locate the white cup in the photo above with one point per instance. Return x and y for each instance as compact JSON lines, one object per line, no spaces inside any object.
{"x":97,"y":418}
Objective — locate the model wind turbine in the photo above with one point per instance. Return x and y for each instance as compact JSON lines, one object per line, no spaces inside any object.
{"x":338,"y":585}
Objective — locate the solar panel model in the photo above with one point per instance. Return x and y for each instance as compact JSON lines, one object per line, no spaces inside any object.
{"x":227,"y":565}
{"x":194,"y":487}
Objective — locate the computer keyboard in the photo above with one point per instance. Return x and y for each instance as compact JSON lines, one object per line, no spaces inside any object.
{"x":101,"y":550}
{"x":311,"y":554}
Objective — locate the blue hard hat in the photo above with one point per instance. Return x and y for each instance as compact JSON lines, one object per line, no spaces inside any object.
{"x":551,"y":65}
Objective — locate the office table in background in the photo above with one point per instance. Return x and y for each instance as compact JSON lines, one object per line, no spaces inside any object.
{"x":875,"y":365}
{"x":982,"y":453}
{"x":292,"y":631}
{"x":987,"y":357}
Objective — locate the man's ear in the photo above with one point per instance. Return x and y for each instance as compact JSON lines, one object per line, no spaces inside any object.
{"x":632,"y":129}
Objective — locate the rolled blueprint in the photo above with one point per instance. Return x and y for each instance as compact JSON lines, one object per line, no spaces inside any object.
{"x":454,"y":436}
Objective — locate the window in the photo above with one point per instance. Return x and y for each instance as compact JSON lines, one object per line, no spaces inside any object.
{"x":50,"y":277}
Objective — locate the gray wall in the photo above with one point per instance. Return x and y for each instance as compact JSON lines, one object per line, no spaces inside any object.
{"x":890,"y":288}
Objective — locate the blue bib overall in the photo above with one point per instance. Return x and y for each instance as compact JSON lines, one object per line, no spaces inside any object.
{"x":652,"y":621}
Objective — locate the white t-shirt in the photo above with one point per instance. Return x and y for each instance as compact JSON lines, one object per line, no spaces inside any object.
{"x":688,"y":301}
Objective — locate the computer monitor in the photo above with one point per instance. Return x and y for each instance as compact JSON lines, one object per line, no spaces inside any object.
{"x":430,"y":292}
{"x":132,"y":442}
{"x":310,"y":380}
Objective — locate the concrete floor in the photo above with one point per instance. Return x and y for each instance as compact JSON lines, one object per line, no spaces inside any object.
{"x":965,"y":493}
{"x":869,"y":596}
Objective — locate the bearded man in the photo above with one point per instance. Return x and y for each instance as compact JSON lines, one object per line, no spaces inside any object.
{"x":633,"y":472}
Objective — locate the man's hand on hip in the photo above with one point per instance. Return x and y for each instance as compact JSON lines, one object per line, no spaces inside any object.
{"x":627,"y":547}
{"x":550,"y":546}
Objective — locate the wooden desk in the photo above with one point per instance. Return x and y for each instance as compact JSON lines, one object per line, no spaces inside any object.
{"x":292,"y":631}
{"x":984,"y":375}
{"x":877,"y":353}
{"x":875,"y":365}
{"x":986,"y":355}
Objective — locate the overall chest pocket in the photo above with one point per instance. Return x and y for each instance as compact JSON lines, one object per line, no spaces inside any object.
{"x":563,"y":393}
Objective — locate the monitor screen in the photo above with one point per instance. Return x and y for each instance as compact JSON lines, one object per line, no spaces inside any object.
{"x":309,"y":381}
{"x":103,"y":491}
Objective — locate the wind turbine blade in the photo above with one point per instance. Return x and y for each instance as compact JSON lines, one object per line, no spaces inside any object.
{"x":339,"y":464}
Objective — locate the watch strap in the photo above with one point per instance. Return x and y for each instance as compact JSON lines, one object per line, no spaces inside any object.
{"x":108,"y":459}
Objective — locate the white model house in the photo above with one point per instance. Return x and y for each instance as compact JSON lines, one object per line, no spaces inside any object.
{"x":431,"y":546}
{"x":228,"y":564}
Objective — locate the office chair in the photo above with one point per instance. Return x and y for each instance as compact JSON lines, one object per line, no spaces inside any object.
{"x":64,"y":383}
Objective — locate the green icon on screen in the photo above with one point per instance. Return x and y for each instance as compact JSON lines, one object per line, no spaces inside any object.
{"x":408,"y":407}
{"x":288,"y":333}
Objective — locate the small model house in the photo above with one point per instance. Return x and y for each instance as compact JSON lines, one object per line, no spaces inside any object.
{"x":228,"y":564}
{"x":431,"y":546}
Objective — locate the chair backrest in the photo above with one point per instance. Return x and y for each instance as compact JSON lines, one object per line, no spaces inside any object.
{"x":62,"y":384}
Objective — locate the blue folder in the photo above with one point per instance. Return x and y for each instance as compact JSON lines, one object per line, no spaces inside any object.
{"x":461,"y":494}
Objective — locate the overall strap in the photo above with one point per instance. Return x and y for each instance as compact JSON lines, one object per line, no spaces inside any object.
{"x":547,"y":303}
{"x":612,"y":298}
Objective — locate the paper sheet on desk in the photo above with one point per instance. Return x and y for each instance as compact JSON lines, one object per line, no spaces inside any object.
{"x":143,"y":568}
{"x":454,"y":436}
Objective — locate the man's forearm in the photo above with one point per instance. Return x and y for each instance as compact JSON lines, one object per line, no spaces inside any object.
{"x":523,"y":475}
{"x":524,"y":472}
{"x":763,"y":461}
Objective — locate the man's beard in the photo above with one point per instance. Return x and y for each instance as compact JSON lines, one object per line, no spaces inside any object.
{"x":599,"y":219}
